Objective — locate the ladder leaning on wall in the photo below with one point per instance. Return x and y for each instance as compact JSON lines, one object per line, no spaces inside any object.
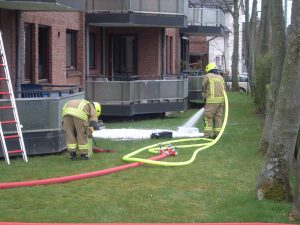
{"x":10,"y":129}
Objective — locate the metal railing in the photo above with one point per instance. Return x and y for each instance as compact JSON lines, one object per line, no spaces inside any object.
{"x":170,"y":7}
{"x":206,"y":17}
{"x":46,"y":90}
{"x":125,"y":77}
{"x":137,"y":91}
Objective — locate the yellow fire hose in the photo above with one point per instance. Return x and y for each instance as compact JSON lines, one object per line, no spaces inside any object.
{"x":206,"y":143}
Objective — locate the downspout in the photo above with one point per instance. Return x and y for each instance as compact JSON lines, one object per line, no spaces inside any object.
{"x":164,"y":52}
{"x":103,"y":50}
{"x":18,"y":56}
{"x":87,"y":47}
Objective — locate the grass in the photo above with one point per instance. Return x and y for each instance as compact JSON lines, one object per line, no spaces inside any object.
{"x":219,"y":186}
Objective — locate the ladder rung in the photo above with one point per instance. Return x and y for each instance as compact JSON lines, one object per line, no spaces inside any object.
{"x":11,"y":136}
{"x":6,"y":107}
{"x":15,"y":134}
{"x":8,"y":122}
{"x":15,"y":151}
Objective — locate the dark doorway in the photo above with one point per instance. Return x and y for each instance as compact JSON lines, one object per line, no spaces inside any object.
{"x":123,"y":55}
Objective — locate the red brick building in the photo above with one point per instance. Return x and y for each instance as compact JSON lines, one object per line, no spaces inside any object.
{"x":43,"y":53}
{"x":52,"y":48}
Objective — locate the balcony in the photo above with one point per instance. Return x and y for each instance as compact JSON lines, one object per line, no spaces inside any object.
{"x":160,"y":13}
{"x":195,"y":88}
{"x":56,"y":5}
{"x":40,"y":113}
{"x":205,"y":21}
{"x":128,"y":98}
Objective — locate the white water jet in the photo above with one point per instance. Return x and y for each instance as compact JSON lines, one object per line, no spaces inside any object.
{"x":188,"y":127}
{"x":191,"y":122}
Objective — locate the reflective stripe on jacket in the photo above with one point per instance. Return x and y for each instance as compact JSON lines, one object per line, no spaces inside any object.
{"x":213,"y":86}
{"x":76,"y":108}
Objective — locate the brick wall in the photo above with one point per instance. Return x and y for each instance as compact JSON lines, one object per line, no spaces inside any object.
{"x":58,"y":23}
{"x":98,"y":60}
{"x":174,"y":33}
{"x":149,"y":48}
{"x":198,"y":45}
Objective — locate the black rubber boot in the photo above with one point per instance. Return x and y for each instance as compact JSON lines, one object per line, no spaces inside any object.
{"x":73,"y":155}
{"x":84,"y":157}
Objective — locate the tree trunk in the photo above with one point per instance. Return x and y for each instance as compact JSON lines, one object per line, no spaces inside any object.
{"x":295,"y":43}
{"x":295,"y":212}
{"x":252,"y":48}
{"x":264,"y":47}
{"x":236,"y":40}
{"x":265,"y":27}
{"x":246,"y":37}
{"x":279,"y":48}
{"x":273,"y":182}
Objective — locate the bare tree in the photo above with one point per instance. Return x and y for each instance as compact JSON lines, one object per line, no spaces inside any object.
{"x":273,"y":181}
{"x":251,"y":45}
{"x":264,"y":27}
{"x":262,"y":57}
{"x":236,"y":39}
{"x":278,"y":52}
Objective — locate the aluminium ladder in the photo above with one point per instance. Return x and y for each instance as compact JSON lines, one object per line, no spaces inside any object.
{"x":10,"y":129}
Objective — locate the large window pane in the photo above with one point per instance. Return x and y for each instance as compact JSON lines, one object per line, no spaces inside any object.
{"x":124,"y":56}
{"x":43,"y":45}
{"x":71,"y":50}
{"x":28,"y":52}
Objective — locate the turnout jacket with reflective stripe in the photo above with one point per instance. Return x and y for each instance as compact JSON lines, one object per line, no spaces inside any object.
{"x":81,"y":109}
{"x":213,"y":86}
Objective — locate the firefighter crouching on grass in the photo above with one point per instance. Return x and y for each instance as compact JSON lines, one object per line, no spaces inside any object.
{"x":80,"y":119}
{"x":213,"y":86}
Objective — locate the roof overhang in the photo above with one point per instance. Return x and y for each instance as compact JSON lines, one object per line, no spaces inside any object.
{"x":43,"y":5}
{"x":204,"y":30}
{"x":131,"y":19}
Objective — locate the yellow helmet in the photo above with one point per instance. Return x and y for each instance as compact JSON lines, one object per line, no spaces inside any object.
{"x":210,"y":66}
{"x":98,"y":108}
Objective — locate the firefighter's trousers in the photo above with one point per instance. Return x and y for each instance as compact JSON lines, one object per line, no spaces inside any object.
{"x":213,"y":119}
{"x":76,"y":134}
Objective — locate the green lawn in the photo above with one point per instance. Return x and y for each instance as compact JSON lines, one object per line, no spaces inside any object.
{"x":219,"y":186}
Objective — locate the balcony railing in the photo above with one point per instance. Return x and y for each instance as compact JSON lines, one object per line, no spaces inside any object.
{"x":170,"y":7}
{"x":206,"y":17}
{"x":137,"y":91}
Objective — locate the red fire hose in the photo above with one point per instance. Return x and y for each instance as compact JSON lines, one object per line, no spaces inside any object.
{"x":75,"y":177}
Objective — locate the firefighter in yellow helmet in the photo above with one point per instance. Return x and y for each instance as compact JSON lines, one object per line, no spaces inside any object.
{"x":213,"y":86}
{"x":80,"y":119}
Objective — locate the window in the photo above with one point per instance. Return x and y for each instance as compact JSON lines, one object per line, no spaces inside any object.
{"x":28,"y":53}
{"x":92,"y":45}
{"x":169,"y":49}
{"x":124,"y":57}
{"x":71,"y":49}
{"x":43,"y":49}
